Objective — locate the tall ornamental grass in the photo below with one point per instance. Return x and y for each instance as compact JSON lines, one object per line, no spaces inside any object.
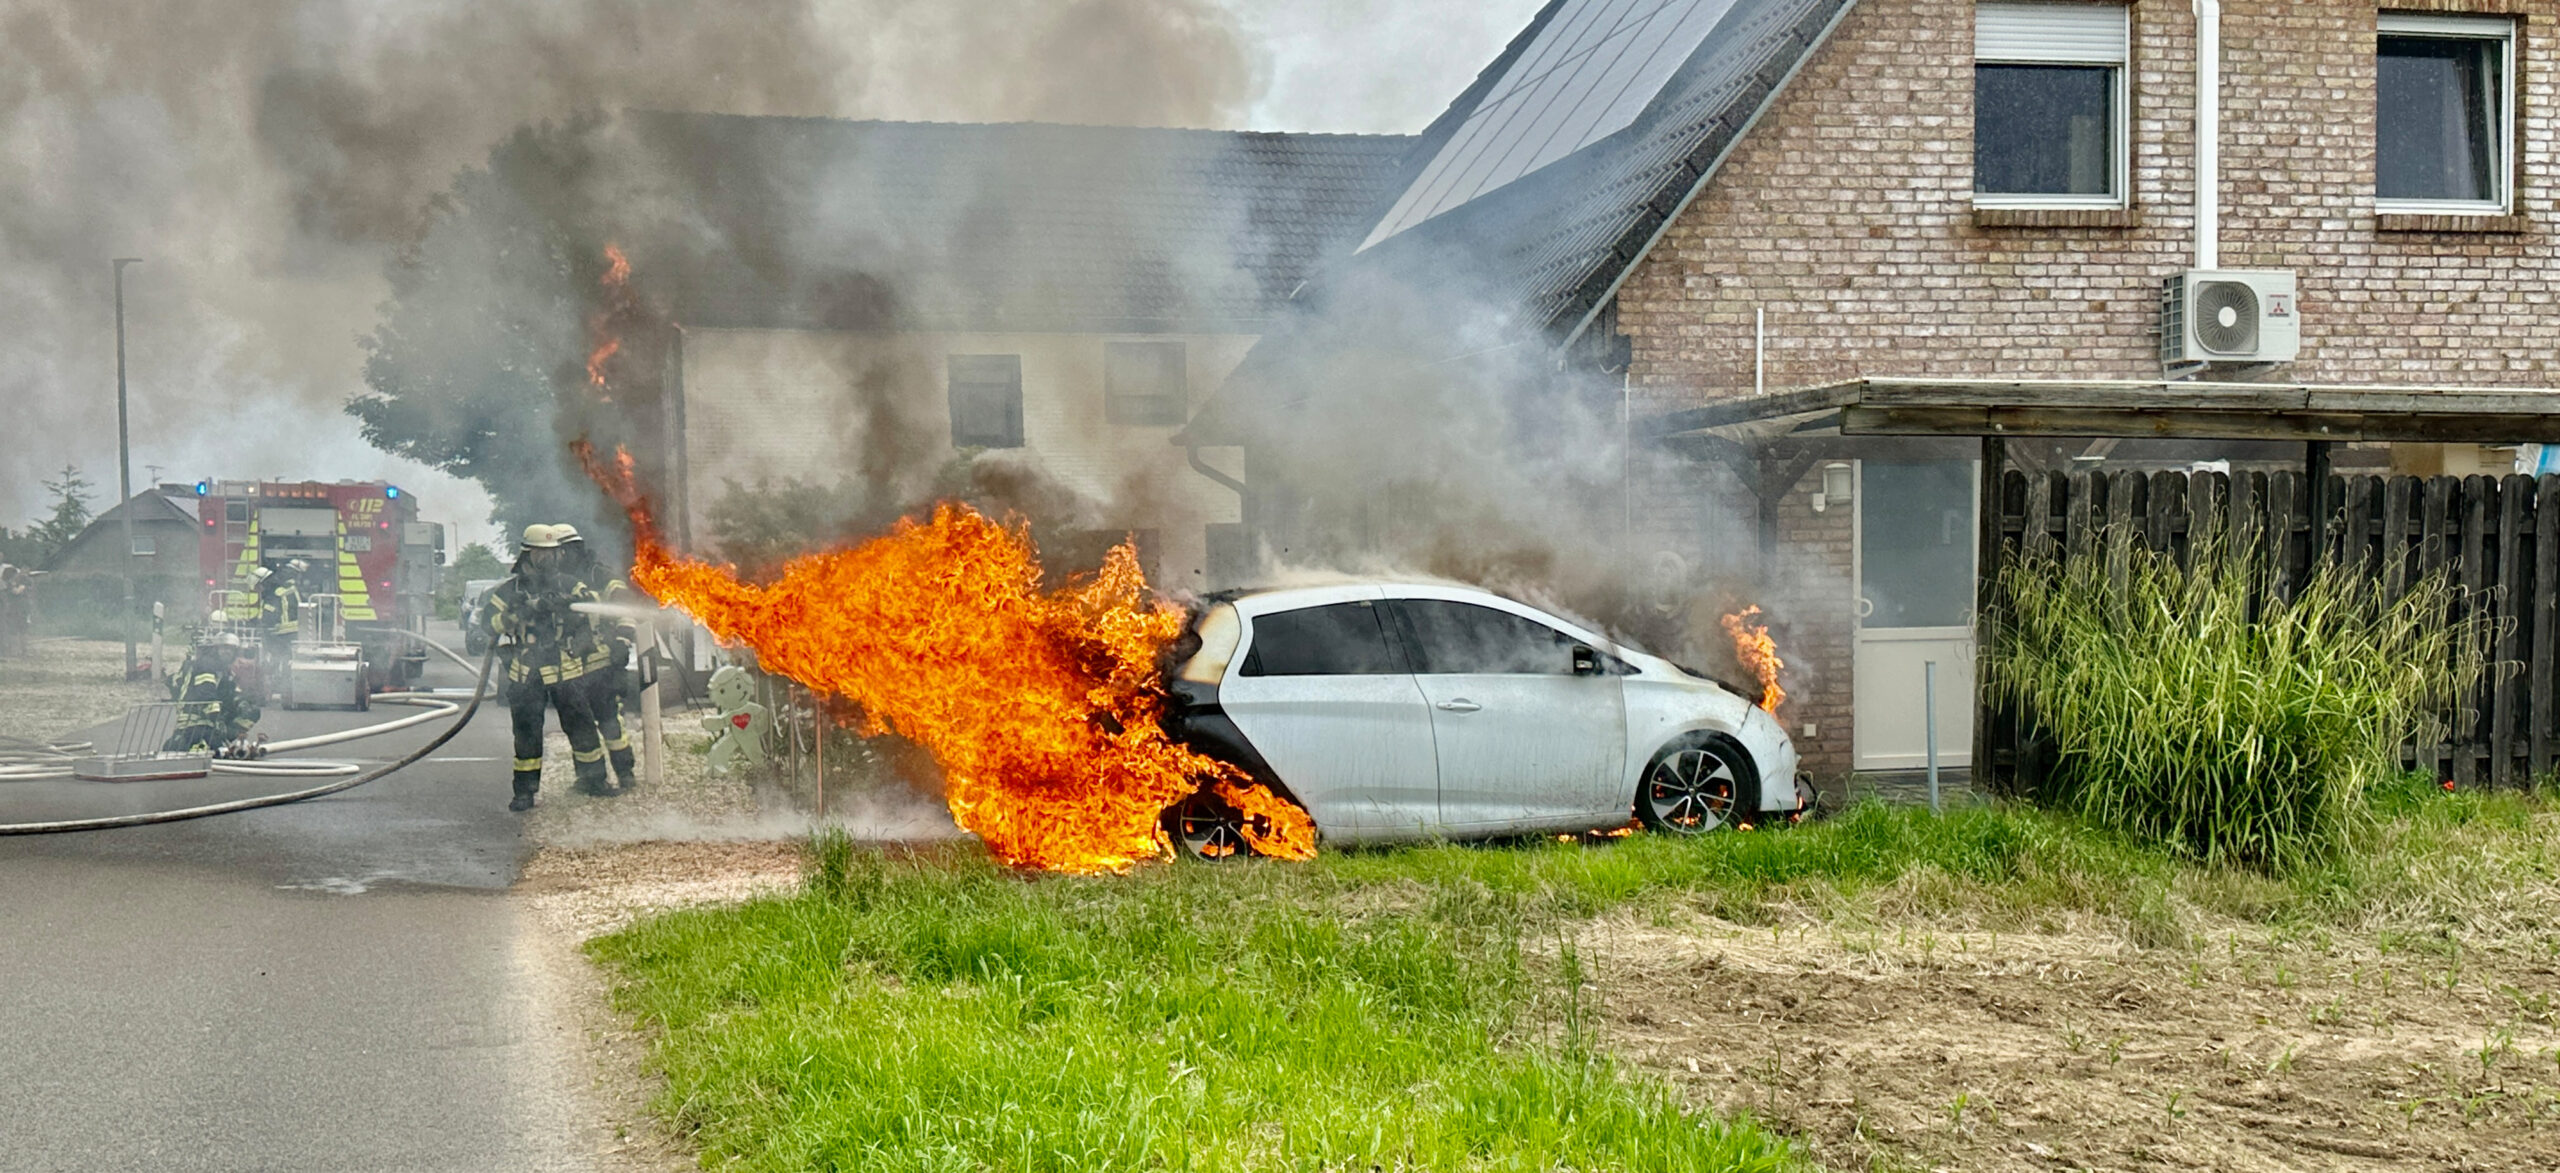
{"x":2195,"y":708}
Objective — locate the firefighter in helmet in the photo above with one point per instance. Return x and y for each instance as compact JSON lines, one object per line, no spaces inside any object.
{"x":279,"y":615}
{"x":612,"y":689}
{"x":546,"y":645}
{"x":213,"y":710}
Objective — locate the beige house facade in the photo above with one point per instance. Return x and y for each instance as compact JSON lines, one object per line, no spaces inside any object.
{"x":1043,"y":399}
{"x":881,"y":305}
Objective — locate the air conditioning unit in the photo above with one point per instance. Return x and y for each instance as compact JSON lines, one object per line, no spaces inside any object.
{"x":2229,"y":316}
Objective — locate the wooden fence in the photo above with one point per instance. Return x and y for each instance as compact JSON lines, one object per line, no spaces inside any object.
{"x":2498,"y":536}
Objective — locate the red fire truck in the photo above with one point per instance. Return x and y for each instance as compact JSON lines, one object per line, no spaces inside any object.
{"x":365,"y":556}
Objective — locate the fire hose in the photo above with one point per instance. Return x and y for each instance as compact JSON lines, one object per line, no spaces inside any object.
{"x":479,"y":690}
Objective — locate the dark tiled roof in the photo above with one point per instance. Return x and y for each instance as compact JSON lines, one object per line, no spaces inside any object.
{"x":152,"y":507}
{"x":1548,"y":246}
{"x":819,"y":223}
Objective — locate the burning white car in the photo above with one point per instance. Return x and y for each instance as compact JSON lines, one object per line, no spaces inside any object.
{"x":1397,"y":712}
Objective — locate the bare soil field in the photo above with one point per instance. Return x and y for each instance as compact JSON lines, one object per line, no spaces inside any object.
{"x":1927,"y":1042}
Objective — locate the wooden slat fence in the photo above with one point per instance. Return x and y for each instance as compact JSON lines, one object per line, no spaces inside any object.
{"x":2498,"y":536}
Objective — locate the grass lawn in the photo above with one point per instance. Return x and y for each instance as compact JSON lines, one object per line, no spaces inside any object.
{"x":1408,"y":1009}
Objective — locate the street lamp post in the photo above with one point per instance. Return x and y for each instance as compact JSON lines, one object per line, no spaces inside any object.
{"x":124,"y":470}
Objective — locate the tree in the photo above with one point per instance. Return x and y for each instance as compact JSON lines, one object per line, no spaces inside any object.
{"x":477,"y":365}
{"x":70,"y":514}
{"x":476,"y":561}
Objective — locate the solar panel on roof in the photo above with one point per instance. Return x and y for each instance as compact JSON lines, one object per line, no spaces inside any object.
{"x":1586,"y":76}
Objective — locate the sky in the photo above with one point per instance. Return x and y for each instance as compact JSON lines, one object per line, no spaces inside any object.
{"x":263,"y":158}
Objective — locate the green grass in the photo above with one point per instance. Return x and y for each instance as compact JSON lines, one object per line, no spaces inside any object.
{"x":1407,"y":1009}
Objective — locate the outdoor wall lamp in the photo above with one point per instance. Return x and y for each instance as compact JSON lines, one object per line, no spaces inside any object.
{"x":1836,"y":486}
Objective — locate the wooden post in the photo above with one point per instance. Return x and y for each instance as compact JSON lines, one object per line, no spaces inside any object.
{"x":2515,"y":497}
{"x":1986,"y":594}
{"x":2472,"y":566}
{"x":2435,"y":549}
{"x":2396,"y":497}
{"x":2539,"y":713}
{"x":2315,"y":489}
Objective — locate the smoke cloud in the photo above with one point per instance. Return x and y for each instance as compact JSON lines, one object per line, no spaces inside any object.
{"x":264,"y":156}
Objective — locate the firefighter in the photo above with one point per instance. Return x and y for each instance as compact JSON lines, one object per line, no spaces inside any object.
{"x":279,"y":616}
{"x":213,"y":710}
{"x":612,"y":689}
{"x":547,"y":646}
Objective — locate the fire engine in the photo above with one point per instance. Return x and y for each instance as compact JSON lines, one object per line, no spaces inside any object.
{"x":369,"y":564}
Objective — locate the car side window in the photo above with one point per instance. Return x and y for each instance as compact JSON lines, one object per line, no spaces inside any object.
{"x":1342,"y":639}
{"x":1453,"y":638}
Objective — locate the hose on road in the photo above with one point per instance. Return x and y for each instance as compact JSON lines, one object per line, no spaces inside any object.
{"x":282,"y":769}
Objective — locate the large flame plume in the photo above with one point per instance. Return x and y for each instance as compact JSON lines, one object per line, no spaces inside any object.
{"x":1758,"y":653}
{"x":1041,"y":705}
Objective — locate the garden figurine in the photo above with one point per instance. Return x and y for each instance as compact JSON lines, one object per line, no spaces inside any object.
{"x":739,"y":729}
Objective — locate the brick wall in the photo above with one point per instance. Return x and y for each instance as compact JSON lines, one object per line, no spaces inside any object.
{"x":1846,"y":214}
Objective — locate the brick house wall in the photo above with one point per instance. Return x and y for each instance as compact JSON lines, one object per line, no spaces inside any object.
{"x":1846,"y":214}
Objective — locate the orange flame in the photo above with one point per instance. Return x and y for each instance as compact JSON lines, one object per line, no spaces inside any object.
{"x":617,"y":277}
{"x":1759,"y":653}
{"x":1040,"y":705}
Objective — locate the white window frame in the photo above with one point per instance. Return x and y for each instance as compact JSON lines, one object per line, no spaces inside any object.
{"x":2500,"y":29}
{"x":2121,"y":165}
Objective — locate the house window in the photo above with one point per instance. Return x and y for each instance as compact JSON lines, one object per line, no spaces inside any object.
{"x":1145,"y":383}
{"x":986,"y":401}
{"x":2049,"y":103}
{"x":145,"y":546}
{"x":2445,"y":115}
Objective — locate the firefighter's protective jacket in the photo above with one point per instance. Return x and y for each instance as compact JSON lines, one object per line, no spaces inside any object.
{"x":280,"y":607}
{"x":212,"y":709}
{"x":538,"y":634}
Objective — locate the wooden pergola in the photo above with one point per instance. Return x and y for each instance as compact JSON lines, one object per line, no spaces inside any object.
{"x":1771,"y":440}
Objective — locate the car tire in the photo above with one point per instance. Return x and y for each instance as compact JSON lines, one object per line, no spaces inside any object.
{"x":1205,"y":827}
{"x":1698,"y":784}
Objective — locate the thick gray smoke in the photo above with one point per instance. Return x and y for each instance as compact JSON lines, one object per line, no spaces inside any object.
{"x":1436,"y":436}
{"x":262,"y":156}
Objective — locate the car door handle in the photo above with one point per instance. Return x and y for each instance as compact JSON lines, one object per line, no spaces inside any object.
{"x":1460,"y":705}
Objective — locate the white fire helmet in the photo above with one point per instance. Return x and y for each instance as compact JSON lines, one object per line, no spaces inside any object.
{"x":541,"y":537}
{"x":567,"y":533}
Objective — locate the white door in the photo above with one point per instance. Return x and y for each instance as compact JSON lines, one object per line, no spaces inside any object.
{"x":1327,"y":702}
{"x":1915,"y":566}
{"x":1525,"y":741}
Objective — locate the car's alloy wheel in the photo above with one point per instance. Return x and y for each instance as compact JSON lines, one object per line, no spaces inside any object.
{"x":1695,"y":787}
{"x":1204,"y":828}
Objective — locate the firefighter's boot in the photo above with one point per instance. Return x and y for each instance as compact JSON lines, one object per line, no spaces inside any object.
{"x":527,"y":782}
{"x":626,"y":767}
{"x":592,"y":778}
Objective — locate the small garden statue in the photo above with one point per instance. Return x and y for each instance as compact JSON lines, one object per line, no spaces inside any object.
{"x":739,"y":731}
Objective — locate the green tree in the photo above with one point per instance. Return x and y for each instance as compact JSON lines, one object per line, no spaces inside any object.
{"x":476,"y":561}
{"x":70,"y":514}
{"x":477,"y":363}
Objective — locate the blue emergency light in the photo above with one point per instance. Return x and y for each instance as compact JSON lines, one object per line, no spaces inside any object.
{"x":392,"y":493}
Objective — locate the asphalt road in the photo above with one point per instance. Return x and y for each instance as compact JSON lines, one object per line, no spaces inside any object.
{"x":339,"y":984}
